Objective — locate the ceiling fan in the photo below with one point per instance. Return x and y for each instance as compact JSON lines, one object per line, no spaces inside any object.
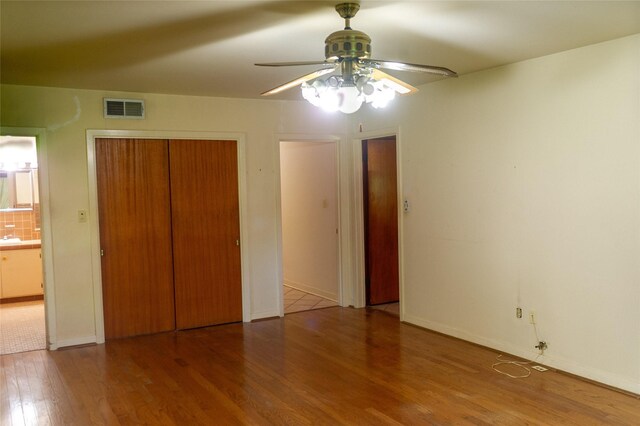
{"x":357,"y":78}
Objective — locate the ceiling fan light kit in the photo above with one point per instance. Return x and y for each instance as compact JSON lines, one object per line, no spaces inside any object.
{"x":356,"y":78}
{"x":347,"y":95}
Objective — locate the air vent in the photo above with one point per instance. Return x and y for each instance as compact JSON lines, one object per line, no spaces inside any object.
{"x":123,"y":108}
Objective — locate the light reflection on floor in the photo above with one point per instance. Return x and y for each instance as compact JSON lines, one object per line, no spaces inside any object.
{"x":390,"y":308}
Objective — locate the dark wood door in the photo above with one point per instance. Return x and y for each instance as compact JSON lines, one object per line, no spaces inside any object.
{"x":206,"y":232}
{"x":381,"y":220}
{"x":135,"y":236}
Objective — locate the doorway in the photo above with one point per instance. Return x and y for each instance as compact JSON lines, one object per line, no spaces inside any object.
{"x":380,"y":206}
{"x":22,"y":307}
{"x":309,"y":209}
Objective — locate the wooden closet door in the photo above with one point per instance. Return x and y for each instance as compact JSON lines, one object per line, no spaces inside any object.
{"x":381,"y":220}
{"x":135,"y":236}
{"x":206,"y":232}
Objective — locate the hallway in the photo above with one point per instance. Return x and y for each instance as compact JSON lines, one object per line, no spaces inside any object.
{"x":299,"y":301}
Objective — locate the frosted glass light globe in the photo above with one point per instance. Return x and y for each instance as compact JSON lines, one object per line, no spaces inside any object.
{"x":310,"y":94}
{"x":350,"y":99}
{"x":330,"y":100}
{"x":382,"y":97}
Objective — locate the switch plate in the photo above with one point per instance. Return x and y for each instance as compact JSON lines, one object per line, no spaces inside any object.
{"x":82,"y":215}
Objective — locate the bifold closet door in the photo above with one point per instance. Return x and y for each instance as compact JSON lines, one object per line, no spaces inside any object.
{"x":206,"y":232}
{"x":135,"y":236}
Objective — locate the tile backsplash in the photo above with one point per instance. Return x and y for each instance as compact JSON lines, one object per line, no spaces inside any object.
{"x":21,"y":224}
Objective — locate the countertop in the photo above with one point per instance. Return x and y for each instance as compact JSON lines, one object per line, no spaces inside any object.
{"x":19,"y":245}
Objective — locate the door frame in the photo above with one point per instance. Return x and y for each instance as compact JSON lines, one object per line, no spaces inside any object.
{"x":342,"y":242}
{"x":94,"y":228}
{"x":358,"y":219}
{"x":46,"y":240}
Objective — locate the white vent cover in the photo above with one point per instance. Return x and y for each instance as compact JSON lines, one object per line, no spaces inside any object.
{"x":123,"y":108}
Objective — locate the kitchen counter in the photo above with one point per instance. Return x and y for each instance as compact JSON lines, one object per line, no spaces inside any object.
{"x":18,"y":245}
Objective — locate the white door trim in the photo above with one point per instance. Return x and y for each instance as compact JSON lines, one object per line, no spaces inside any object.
{"x":92,"y":135}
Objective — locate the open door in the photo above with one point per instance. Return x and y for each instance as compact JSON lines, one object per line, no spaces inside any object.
{"x":380,"y":220}
{"x":309,"y":208}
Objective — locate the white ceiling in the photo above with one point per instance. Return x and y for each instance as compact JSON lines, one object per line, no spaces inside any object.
{"x":208,"y":48}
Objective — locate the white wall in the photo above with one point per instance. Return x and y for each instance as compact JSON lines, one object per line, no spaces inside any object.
{"x":68,"y":113}
{"x":524,"y":182}
{"x":308,"y":176}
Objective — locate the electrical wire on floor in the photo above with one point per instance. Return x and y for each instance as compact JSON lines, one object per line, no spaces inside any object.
{"x":520,"y":364}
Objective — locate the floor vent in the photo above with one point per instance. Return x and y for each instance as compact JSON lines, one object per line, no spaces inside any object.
{"x":123,"y":108}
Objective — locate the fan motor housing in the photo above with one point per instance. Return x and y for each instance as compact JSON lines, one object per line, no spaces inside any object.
{"x":347,"y":44}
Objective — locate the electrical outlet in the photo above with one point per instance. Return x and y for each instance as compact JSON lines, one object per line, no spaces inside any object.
{"x":539,"y":368}
{"x":518,"y":312}
{"x":541,"y":346}
{"x":532,"y":317}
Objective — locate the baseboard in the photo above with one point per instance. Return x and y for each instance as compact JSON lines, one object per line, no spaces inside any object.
{"x":553,"y":361}
{"x":22,"y":299}
{"x":79,"y":341}
{"x":312,"y":290}
{"x":264,"y":314}
{"x":266,"y":318}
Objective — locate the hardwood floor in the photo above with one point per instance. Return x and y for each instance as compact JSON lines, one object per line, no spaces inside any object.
{"x":329,"y":366}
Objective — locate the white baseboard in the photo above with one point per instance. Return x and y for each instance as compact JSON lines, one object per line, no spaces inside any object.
{"x":312,"y":290}
{"x":264,"y":314}
{"x":72,"y":342}
{"x":554,"y":361}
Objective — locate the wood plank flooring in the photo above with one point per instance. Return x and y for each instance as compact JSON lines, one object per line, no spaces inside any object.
{"x":328,"y":366}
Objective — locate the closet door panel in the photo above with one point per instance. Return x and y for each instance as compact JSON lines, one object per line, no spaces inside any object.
{"x":382,"y":277}
{"x":206,"y":229}
{"x":135,"y":236}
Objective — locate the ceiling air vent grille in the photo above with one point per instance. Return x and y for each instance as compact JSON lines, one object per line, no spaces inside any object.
{"x":123,"y":108}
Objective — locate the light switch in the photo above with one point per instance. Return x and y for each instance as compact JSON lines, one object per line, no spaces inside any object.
{"x":82,"y":215}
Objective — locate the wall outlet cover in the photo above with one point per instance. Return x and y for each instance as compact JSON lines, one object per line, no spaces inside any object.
{"x":539,"y":368}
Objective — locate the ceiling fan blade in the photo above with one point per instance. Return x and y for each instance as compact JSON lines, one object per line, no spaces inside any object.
{"x":294,"y":64}
{"x":299,"y":81}
{"x":397,"y":84}
{"x":402,"y":66}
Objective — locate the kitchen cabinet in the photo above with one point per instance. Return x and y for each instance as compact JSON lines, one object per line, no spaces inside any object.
{"x":20,"y":273}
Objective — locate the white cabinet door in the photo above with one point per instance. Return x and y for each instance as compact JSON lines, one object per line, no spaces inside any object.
{"x":21,"y":273}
